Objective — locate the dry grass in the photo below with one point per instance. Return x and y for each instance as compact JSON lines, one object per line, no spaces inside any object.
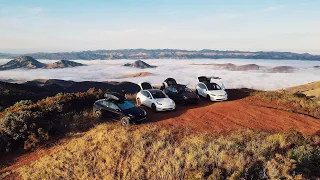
{"x":311,"y":90}
{"x":298,"y":103}
{"x":110,"y":151}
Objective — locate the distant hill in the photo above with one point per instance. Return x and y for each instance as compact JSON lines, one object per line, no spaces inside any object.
{"x":139,"y":64}
{"x":22,"y":62}
{"x":134,"y":75}
{"x":6,"y":55}
{"x":64,"y":64}
{"x":282,"y":69}
{"x":28,"y":62}
{"x":172,"y":54}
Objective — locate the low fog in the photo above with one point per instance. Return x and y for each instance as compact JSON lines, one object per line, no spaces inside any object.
{"x":182,"y":70}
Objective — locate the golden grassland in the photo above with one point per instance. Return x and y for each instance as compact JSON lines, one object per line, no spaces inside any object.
{"x":291,"y":102}
{"x":311,"y":90}
{"x":110,"y":151}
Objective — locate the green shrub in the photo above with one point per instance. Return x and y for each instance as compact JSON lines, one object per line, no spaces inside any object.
{"x":22,"y":103}
{"x":18,"y":124}
{"x":6,"y":92}
{"x":31,"y":124}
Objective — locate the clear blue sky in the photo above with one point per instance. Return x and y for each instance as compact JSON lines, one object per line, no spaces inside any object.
{"x":72,"y":25}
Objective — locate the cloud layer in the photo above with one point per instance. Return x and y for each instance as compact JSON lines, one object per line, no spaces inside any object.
{"x":182,"y":70}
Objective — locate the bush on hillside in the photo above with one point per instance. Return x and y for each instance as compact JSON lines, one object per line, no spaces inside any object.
{"x":22,"y":103}
{"x":34,"y":123}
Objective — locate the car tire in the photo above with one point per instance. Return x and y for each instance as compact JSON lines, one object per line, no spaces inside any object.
{"x":154,"y":107}
{"x":98,"y":114}
{"x":124,"y":121}
{"x":197,"y":92}
{"x":208,"y":98}
{"x":138,"y":102}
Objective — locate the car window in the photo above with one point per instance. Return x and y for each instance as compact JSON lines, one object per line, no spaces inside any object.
{"x":147,"y":94}
{"x":213,"y":86}
{"x":158,"y":94}
{"x":202,"y":86}
{"x":185,"y":89}
{"x":172,"y":89}
{"x":125,"y":105}
{"x":109,"y":104}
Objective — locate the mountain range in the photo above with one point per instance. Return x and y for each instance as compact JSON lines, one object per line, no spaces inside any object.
{"x":28,"y":62}
{"x":172,"y":54}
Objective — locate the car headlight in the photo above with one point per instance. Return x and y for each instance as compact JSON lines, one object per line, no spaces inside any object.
{"x":158,"y":103}
{"x":212,"y":94}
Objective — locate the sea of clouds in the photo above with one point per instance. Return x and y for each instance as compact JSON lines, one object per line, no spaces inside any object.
{"x":182,"y":70}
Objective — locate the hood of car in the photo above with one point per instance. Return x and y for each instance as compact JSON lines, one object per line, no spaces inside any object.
{"x":189,"y":95}
{"x":136,"y":112}
{"x":164,"y":101}
{"x":218,"y":92}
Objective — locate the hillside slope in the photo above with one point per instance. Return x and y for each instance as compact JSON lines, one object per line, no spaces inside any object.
{"x":311,"y":90}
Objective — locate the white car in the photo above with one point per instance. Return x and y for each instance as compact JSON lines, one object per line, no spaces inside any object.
{"x":210,"y":90}
{"x":154,"y":98}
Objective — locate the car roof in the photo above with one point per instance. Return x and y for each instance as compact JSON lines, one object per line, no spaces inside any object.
{"x":177,"y":85}
{"x":114,"y":96}
{"x":153,"y":90}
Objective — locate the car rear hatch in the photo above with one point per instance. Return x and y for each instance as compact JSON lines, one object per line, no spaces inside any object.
{"x":145,"y":85}
{"x":204,"y":79}
{"x":170,"y":81}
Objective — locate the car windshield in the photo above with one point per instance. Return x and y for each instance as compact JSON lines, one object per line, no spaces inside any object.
{"x":213,"y":86}
{"x":125,"y":105}
{"x":184,"y":89}
{"x":158,"y":94}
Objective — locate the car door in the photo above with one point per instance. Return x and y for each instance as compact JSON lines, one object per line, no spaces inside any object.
{"x":114,"y":112}
{"x":149,"y":99}
{"x":203,"y":90}
{"x":145,"y":98}
{"x":172,"y":93}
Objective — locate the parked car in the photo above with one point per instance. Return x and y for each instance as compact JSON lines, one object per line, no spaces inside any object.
{"x":154,"y":98}
{"x":210,"y":90}
{"x":179,"y":93}
{"x":116,"y":107}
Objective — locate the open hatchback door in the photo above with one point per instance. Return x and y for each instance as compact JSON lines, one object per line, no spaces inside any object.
{"x":145,"y":85}
{"x":170,"y":82}
{"x":114,"y":96}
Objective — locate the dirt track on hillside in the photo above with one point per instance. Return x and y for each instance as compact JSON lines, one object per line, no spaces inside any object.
{"x":239,"y":114}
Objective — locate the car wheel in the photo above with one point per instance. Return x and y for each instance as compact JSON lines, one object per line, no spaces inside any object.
{"x":125,"y":121}
{"x":138,"y":102}
{"x":98,"y":114}
{"x":153,"y":107}
{"x":208,"y":98}
{"x":197,"y":92}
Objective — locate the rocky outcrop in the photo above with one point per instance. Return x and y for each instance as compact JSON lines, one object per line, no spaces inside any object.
{"x":139,"y":64}
{"x":64,"y":64}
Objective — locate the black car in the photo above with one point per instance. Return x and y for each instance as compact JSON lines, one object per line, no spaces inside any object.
{"x":179,"y":93}
{"x":116,"y":107}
